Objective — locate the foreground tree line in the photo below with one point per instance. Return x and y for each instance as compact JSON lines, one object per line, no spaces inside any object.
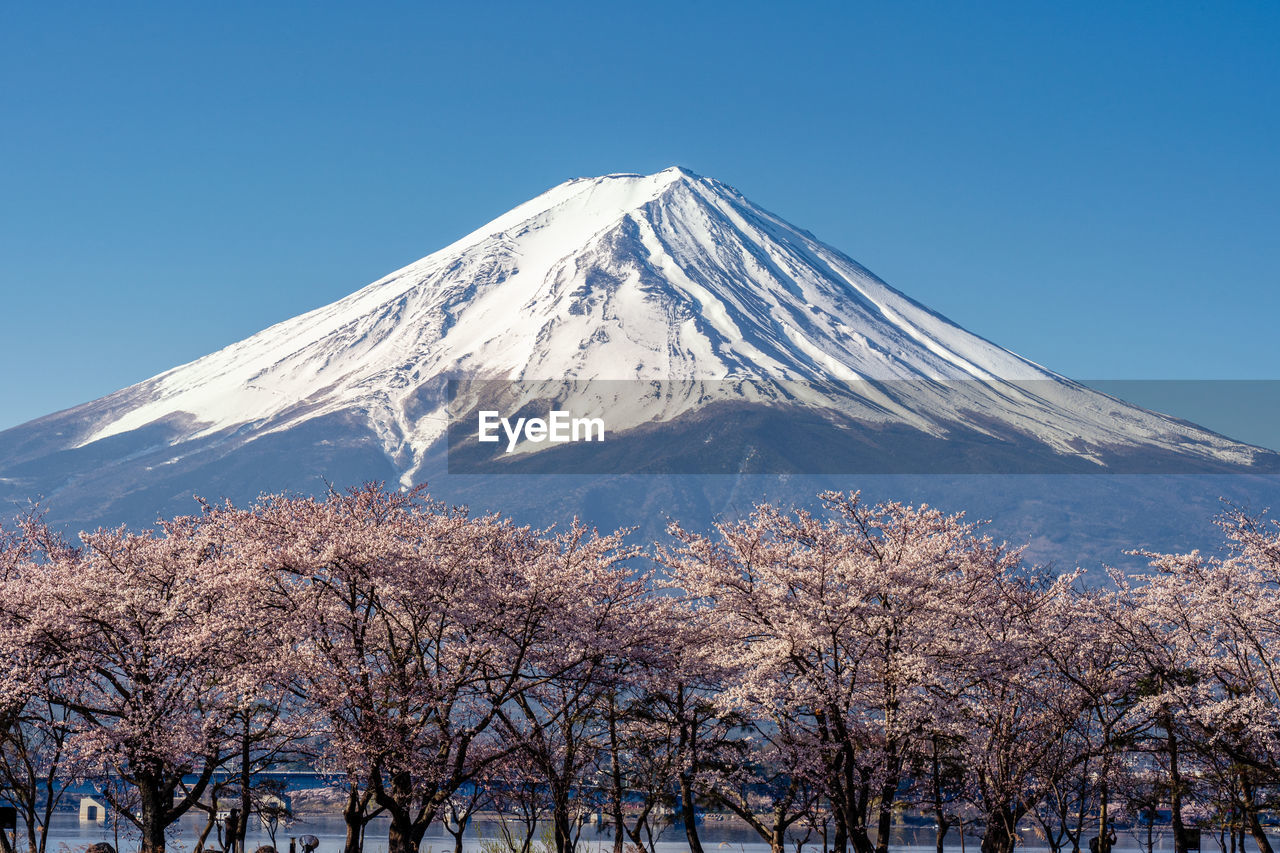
{"x":814,"y":674}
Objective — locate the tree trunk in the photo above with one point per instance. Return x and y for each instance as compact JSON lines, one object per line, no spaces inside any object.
{"x":404,"y":834}
{"x":686,"y":754}
{"x":852,"y":812}
{"x":1259,"y":834}
{"x":400,"y":837}
{"x":641,"y":836}
{"x":778,"y":840}
{"x":615,"y":779}
{"x":32,"y":842}
{"x":884,"y":824}
{"x":1082,"y":807}
{"x":688,"y":808}
{"x":208,"y":827}
{"x":1251,"y":818}
{"x":861,"y":840}
{"x":1175,"y":784}
{"x":939,"y":813}
{"x":997,"y":836}
{"x":996,"y":839}
{"x":1104,"y":815}
{"x":841,"y":842}
{"x":246,"y":802}
{"x":858,"y":834}
{"x":561,"y":824}
{"x":355,"y":828}
{"x":353,"y":816}
{"x":152,"y":837}
{"x":152,"y":808}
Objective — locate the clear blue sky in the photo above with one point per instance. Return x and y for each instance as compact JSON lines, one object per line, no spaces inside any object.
{"x":1093,"y":185}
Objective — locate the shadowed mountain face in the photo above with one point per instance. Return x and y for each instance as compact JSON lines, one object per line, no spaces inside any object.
{"x":732,"y":356}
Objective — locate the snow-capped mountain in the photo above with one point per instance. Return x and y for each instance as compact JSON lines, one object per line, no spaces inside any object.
{"x":623,"y":281}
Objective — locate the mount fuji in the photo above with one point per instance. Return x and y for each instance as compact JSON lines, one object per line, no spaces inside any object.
{"x":671,"y":290}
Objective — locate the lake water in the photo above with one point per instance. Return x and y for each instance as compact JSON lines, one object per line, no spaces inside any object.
{"x":69,"y":834}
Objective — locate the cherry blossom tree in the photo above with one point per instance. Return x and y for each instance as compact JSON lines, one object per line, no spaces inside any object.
{"x":149,"y":636}
{"x":520,"y":799}
{"x":1017,"y":717}
{"x":36,"y":765}
{"x":1224,"y":610}
{"x":418,"y":626}
{"x":676,"y":732}
{"x":769,"y":776}
{"x":565,"y":716}
{"x":938,"y":776}
{"x":463,"y":806}
{"x":842,"y":627}
{"x":1161,"y":632}
{"x":1091,"y":654}
{"x":380,"y":589}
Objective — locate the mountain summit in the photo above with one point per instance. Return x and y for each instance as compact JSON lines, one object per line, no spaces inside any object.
{"x":666,"y":278}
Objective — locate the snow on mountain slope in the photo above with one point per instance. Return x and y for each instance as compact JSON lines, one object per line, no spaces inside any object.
{"x":668,"y":276}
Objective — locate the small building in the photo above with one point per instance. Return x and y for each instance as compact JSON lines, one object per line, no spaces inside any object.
{"x":92,"y":811}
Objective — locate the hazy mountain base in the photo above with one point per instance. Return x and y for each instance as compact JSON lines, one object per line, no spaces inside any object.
{"x":1066,"y":519}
